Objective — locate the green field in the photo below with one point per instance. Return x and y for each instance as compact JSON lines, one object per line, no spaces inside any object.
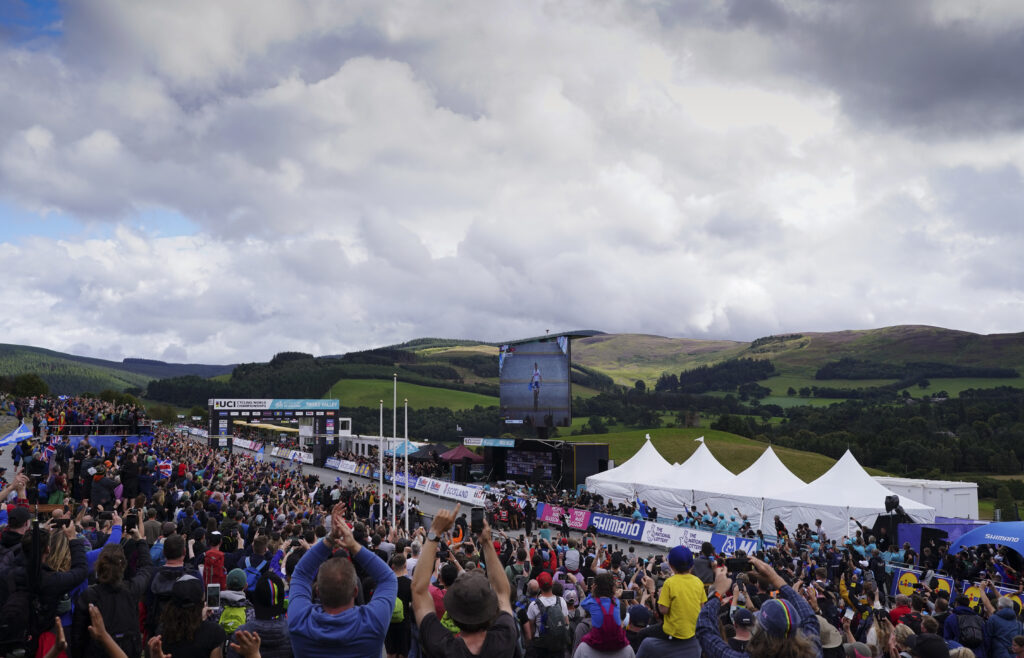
{"x":734,"y":452}
{"x":369,"y":393}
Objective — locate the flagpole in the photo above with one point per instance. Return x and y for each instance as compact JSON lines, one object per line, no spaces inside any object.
{"x":380,"y":454}
{"x":394,"y":453}
{"x":406,"y":465}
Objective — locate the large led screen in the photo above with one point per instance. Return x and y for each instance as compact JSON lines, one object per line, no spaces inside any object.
{"x":534,"y":379}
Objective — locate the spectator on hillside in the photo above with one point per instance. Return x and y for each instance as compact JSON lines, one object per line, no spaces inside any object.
{"x":336,"y":625}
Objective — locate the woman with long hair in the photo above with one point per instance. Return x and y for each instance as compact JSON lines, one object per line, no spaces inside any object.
{"x":182,"y":629}
{"x":116,"y":600}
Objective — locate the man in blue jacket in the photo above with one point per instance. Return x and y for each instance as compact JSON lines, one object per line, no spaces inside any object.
{"x":967,"y":627}
{"x":336,"y":626}
{"x":1001,"y":627}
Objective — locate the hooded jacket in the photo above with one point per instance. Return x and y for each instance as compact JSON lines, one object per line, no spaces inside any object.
{"x":358,"y":631}
{"x":951,"y":630}
{"x":275,"y":641}
{"x":1000,"y":629}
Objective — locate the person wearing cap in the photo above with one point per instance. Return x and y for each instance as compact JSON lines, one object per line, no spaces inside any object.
{"x":478,"y":604}
{"x":680,"y":602}
{"x":182,"y":629}
{"x":639,"y":620}
{"x":785,"y":626}
{"x":337,"y":626}
{"x":743,"y":624}
{"x":268,"y":622}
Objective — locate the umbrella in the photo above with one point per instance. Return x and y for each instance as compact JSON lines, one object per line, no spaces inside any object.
{"x":402,"y":449}
{"x":429,"y":452}
{"x":458,"y":453}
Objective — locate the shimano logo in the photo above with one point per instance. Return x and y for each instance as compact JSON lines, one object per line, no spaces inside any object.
{"x":618,"y":526}
{"x":1002,"y":538}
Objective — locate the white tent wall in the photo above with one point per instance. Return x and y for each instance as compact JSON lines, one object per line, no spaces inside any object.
{"x":958,"y":500}
{"x":672,"y":493}
{"x":749,"y":506}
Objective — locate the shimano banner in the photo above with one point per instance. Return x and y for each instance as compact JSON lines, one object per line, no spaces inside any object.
{"x":615,"y":526}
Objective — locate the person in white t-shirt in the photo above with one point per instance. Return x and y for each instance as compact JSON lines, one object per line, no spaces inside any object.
{"x":547,"y":598}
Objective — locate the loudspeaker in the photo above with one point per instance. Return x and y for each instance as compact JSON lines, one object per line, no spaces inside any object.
{"x":891,"y":503}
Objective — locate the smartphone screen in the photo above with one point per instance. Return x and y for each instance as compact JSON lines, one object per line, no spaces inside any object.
{"x":849,"y":613}
{"x":213,"y":595}
{"x":628,"y":595}
{"x":476,"y":520}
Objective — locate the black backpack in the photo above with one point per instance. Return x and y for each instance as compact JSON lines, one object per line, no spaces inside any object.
{"x":911,"y":619}
{"x":120,"y":609}
{"x":972,"y":630}
{"x":552,"y":627}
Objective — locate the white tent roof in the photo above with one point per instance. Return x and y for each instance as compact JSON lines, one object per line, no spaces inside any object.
{"x":765,"y":475}
{"x":646,"y":463}
{"x":620,"y":482}
{"x":846,"y":484}
{"x":700,"y":471}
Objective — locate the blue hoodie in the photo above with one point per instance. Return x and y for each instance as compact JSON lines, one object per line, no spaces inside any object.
{"x":1001,"y":628}
{"x":358,"y":631}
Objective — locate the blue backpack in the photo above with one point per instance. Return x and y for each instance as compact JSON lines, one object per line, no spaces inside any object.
{"x":252,"y":574}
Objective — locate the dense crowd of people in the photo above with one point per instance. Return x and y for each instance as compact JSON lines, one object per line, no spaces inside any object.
{"x":170,"y":547}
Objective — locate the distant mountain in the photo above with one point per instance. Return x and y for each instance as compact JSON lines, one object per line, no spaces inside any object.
{"x":598,"y":360}
{"x":70,"y":374}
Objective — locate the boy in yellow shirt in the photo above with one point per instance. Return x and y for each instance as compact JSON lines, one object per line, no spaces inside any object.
{"x":680,"y":602}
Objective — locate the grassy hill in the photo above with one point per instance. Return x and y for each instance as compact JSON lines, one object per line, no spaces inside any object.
{"x":369,"y":393}
{"x":734,"y":452}
{"x":70,"y":374}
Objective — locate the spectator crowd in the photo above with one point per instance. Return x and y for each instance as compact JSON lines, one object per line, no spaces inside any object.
{"x":168,"y":547}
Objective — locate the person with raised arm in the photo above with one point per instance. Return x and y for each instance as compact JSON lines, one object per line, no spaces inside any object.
{"x":479,"y":605}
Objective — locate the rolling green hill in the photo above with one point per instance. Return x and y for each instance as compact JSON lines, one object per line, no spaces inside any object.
{"x":70,"y":374}
{"x":369,"y":393}
{"x":734,"y":452}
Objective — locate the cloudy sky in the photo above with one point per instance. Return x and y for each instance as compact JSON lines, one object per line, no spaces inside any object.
{"x":220,"y":181}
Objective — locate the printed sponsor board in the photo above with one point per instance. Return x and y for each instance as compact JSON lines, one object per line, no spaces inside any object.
{"x":904,"y":581}
{"x":490,"y":443}
{"x":615,"y":526}
{"x":333,"y":463}
{"x":578,"y":519}
{"x":267,"y":404}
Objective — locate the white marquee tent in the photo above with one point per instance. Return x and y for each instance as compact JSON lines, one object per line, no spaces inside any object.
{"x":620,"y":483}
{"x":673,"y":492}
{"x":845,"y":490}
{"x":765,"y":489}
{"x":746,"y":491}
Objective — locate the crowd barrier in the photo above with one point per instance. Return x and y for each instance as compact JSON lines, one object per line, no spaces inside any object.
{"x":648,"y":532}
{"x":908,"y":582}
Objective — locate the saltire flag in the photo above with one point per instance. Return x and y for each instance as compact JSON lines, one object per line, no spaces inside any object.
{"x":163,"y":468}
{"x":17,"y":435}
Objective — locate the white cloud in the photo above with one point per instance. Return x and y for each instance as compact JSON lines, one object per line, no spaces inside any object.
{"x":366,"y":173}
